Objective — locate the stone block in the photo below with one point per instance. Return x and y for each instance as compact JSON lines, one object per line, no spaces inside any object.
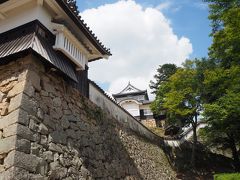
{"x":15,"y":173}
{"x":33,"y":125}
{"x":3,"y":105}
{"x":19,"y":159}
{"x":30,"y":105}
{"x":44,"y":93}
{"x":58,"y":137}
{"x":70,"y":133}
{"x":1,"y":169}
{"x":17,"y":89}
{"x":59,"y":173}
{"x":48,"y":156}
{"x":9,"y":86}
{"x":23,"y":145}
{"x":25,"y":132}
{"x":10,"y":130}
{"x":57,"y":102}
{"x":77,"y":161}
{"x":43,"y":129}
{"x":29,"y":90}
{"x":56,"y":157}
{"x":9,"y":160}
{"x":15,"y":102}
{"x":74,"y":126}
{"x":48,"y":87}
{"x":67,"y":112}
{"x":7,"y":144}
{"x":80,"y":105}
{"x":43,"y":140}
{"x":85,"y":172}
{"x":47,"y":101}
{"x":37,"y":177}
{"x":34,"y":79}
{"x":65,"y":123}
{"x":42,"y":168}
{"x":55,"y":114}
{"x":4,"y":110}
{"x":6,"y":81}
{"x":19,"y":116}
{"x":54,"y":165}
{"x":35,"y":149}
{"x":40,"y":113}
{"x":2,"y":96}
{"x":70,"y":118}
{"x":64,"y":161}
{"x":23,"y":117}
{"x":49,"y":122}
{"x":18,"y":129}
{"x":55,"y":148}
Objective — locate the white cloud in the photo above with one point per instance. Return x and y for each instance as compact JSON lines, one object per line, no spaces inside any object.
{"x":140,"y":39}
{"x":164,"y":5}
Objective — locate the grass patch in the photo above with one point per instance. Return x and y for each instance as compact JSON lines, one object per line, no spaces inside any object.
{"x":232,"y":176}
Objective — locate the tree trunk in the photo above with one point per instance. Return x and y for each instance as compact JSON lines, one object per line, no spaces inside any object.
{"x":235,"y":155}
{"x":194,"y":127}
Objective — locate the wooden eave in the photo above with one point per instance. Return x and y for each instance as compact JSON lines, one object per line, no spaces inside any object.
{"x":34,"y":38}
{"x":130,"y":94}
{"x":83,"y":27}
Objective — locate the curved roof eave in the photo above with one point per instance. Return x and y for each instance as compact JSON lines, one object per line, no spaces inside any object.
{"x":70,"y":8}
{"x":134,"y":100}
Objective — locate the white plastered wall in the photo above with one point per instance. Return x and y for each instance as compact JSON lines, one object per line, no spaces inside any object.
{"x":27,"y":13}
{"x":132,"y":107}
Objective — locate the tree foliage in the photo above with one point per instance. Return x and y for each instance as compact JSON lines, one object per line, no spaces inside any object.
{"x":212,"y":83}
{"x":217,"y":10}
{"x":222,"y":83}
{"x":163,"y":73}
{"x":223,"y":113}
{"x":180,"y":96}
{"x":225,"y":15}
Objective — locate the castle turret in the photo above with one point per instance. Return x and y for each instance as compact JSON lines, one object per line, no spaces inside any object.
{"x":52,"y":30}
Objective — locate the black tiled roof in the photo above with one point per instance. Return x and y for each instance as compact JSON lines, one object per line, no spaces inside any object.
{"x":130,"y":94}
{"x":34,"y":37}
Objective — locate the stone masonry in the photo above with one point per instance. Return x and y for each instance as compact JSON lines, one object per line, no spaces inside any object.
{"x":150,"y":123}
{"x":48,"y":130}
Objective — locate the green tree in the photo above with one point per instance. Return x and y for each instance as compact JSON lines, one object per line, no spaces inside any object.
{"x":217,"y":10}
{"x":222,"y":113}
{"x":224,"y":16}
{"x":180,"y":95}
{"x":183,"y":100}
{"x":163,"y":73}
{"x":222,"y":82}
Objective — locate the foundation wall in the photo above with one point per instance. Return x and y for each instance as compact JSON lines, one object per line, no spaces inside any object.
{"x":48,"y":130}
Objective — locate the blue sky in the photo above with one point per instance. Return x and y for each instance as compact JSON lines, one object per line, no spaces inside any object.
{"x":156,"y":32}
{"x":188,"y":18}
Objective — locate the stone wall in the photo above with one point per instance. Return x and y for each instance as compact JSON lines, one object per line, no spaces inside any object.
{"x":103,"y":101}
{"x":150,"y":123}
{"x":12,"y":81}
{"x":48,"y":130}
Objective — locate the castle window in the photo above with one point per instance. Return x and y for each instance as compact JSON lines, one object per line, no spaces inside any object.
{"x":70,"y":46}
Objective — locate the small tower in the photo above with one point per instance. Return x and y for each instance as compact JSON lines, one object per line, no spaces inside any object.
{"x":137,"y":103}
